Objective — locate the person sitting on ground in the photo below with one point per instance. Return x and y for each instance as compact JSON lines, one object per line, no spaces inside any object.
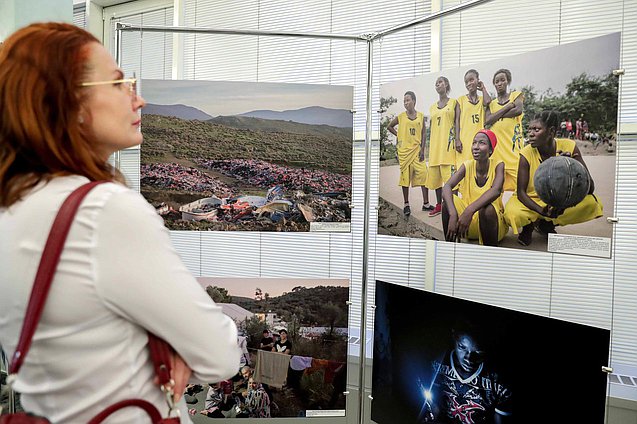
{"x":478,"y":212}
{"x":525,"y":208}
{"x":215,"y":399}
{"x":257,"y":401}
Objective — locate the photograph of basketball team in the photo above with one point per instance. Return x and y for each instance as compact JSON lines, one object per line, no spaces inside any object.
{"x":504,"y":152}
{"x":464,"y":362}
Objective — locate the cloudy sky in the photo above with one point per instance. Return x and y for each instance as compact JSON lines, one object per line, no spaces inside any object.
{"x":547,"y":68}
{"x":233,"y":98}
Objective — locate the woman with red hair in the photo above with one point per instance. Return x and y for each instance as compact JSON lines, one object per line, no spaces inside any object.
{"x":65,"y":107}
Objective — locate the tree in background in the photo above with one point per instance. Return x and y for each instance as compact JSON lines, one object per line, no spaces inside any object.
{"x":218,"y":294}
{"x":332,"y":315}
{"x":253,"y":328}
{"x":593,"y":97}
{"x":387,"y":149}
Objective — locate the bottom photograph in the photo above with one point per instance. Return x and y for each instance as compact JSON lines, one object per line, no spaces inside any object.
{"x":440,"y":359}
{"x":294,"y":349}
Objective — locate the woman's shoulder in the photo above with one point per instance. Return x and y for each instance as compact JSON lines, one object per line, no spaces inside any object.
{"x":513,"y":96}
{"x":565,"y":144}
{"x":528,"y":151}
{"x":109,"y":197}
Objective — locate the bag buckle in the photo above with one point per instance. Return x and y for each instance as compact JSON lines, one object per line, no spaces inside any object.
{"x":11,"y":378}
{"x":169,"y":391}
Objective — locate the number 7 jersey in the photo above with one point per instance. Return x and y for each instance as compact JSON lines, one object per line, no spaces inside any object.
{"x":442,"y":150}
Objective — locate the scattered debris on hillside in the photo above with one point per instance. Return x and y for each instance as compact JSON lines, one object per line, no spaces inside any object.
{"x":177,"y":177}
{"x":264,"y":174}
{"x":287,"y":206}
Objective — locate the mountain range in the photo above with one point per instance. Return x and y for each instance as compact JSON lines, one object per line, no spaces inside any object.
{"x":313,"y":115}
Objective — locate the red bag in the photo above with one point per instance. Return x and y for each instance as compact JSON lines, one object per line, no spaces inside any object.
{"x":160,"y":351}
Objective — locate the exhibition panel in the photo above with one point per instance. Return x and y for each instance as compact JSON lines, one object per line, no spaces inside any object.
{"x":564,"y":299}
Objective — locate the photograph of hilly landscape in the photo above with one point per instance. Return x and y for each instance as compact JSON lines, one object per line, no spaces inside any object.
{"x":247,"y":156}
{"x":273,"y":313}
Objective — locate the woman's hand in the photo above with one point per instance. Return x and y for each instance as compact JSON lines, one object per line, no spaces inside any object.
{"x":458,"y":145}
{"x":551,"y":211}
{"x":463,"y":224}
{"x":452,"y":228}
{"x":180,"y":374}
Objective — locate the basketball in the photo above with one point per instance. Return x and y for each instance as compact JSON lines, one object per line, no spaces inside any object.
{"x":561,"y":182}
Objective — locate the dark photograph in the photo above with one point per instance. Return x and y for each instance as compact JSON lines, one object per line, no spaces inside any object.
{"x":439,"y":359}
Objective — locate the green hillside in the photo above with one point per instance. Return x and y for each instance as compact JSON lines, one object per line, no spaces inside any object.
{"x":320,"y":305}
{"x":167,"y":138}
{"x":269,"y":125}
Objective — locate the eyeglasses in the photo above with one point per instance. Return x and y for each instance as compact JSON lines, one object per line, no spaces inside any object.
{"x":130,"y":83}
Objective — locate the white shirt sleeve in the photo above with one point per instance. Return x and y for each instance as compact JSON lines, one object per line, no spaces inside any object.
{"x":140,"y":277}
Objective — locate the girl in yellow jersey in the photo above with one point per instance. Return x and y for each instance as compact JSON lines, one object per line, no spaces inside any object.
{"x":505,"y":119}
{"x":526,"y":208}
{"x":477,"y":213}
{"x":442,"y":152}
{"x":411,"y":136}
{"x":469,"y":115}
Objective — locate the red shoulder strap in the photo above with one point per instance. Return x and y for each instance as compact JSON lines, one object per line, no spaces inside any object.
{"x":160,"y":351}
{"x":46,"y":271}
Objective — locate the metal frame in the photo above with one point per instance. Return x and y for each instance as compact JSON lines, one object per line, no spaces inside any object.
{"x":369,"y":38}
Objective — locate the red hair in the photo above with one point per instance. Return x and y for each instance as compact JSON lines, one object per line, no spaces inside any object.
{"x":41,"y":68}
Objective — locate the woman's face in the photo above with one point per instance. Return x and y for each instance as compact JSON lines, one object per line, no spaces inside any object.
{"x":441,"y":86}
{"x":409,"y":103}
{"x":539,"y":135}
{"x":110,"y":112}
{"x":501,"y":82}
{"x":471,"y":82}
{"x":481,"y":147}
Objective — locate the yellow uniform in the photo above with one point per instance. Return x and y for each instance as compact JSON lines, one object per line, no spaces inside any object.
{"x":509,"y":133}
{"x":471,"y":121}
{"x":442,"y":152}
{"x":470,"y":192}
{"x":412,"y":170}
{"x":517,"y":215}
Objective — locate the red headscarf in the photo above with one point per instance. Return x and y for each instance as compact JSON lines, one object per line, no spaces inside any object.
{"x":492,"y":138}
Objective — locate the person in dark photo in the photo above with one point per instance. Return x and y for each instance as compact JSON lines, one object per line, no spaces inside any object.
{"x":465,"y":389}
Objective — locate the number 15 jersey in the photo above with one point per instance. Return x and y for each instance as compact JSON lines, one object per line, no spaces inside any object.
{"x":471,"y":121}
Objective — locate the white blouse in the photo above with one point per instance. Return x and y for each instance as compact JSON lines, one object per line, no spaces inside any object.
{"x":118,"y":276}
